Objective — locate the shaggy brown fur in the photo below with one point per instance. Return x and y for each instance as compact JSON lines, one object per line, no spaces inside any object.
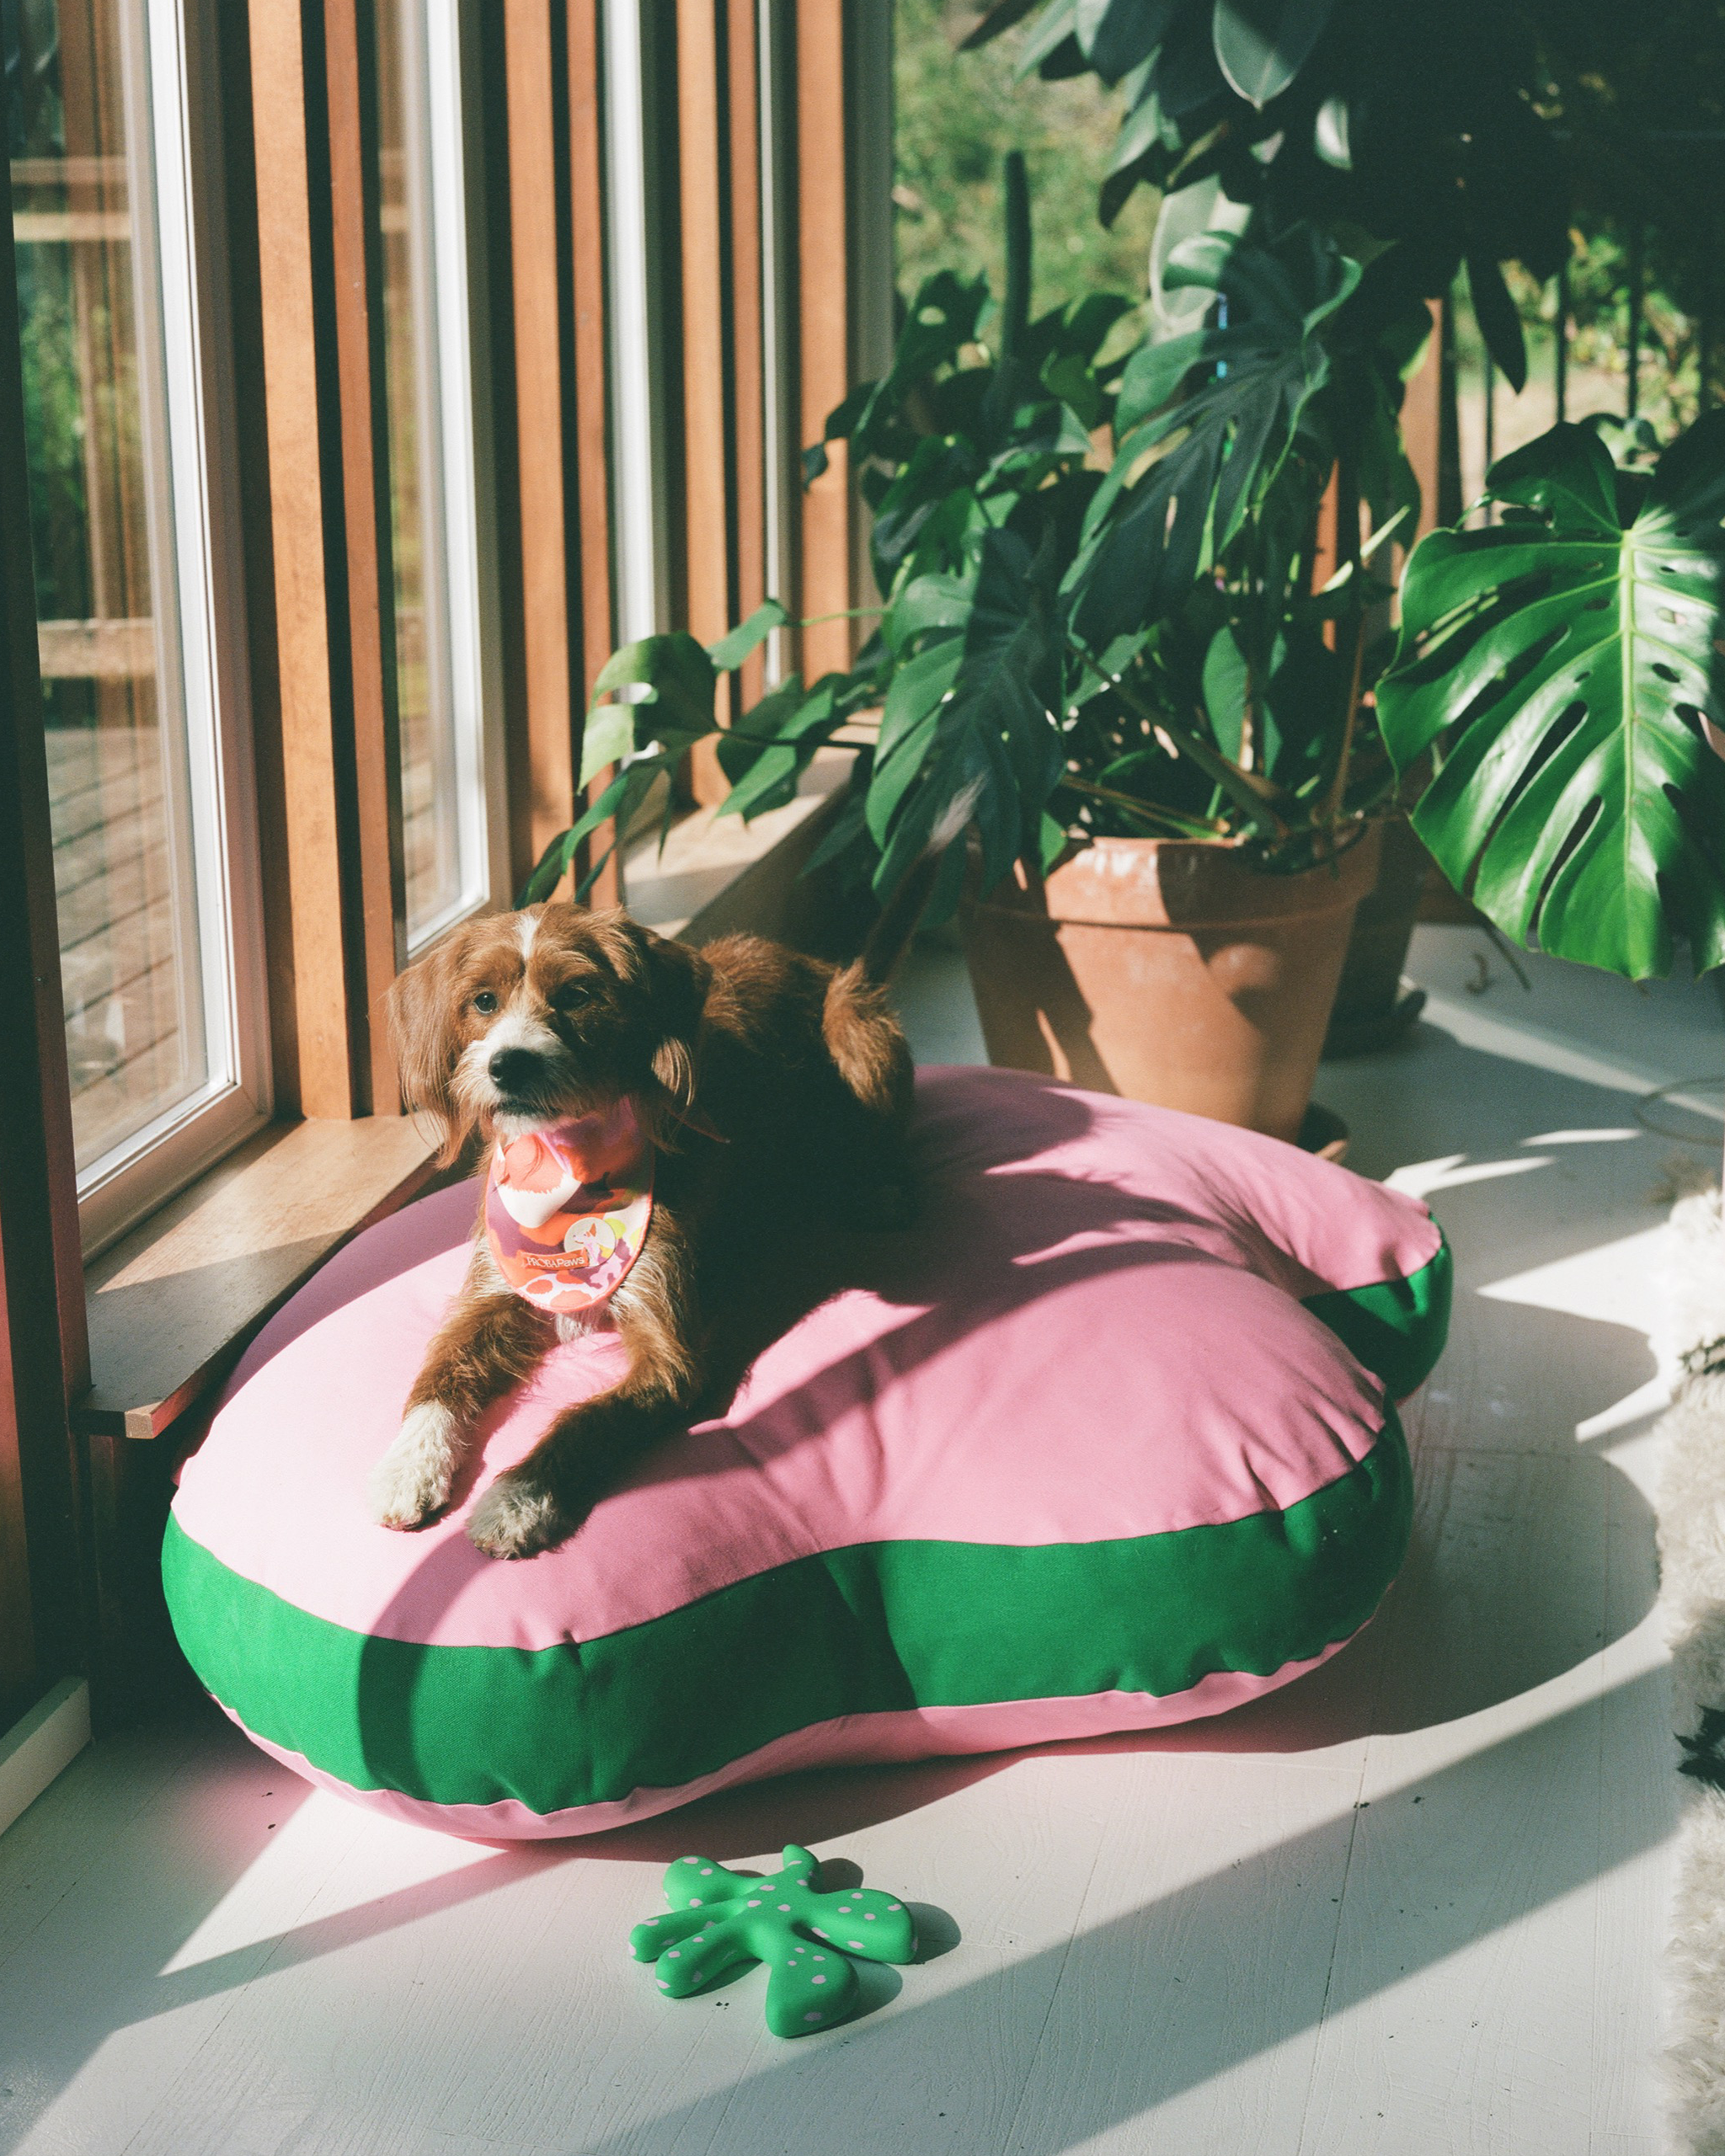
{"x":778,"y":1090}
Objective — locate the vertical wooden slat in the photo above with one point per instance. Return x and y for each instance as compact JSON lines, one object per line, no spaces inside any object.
{"x":1420,"y":423}
{"x":329,"y":754}
{"x":325,"y":1079}
{"x":530,"y":43}
{"x":870,"y":278}
{"x":251,"y":476}
{"x":1449,"y":487}
{"x":823,"y":315}
{"x":587,"y":235}
{"x":1325,"y":546}
{"x":351,"y":62}
{"x":748,"y":433}
{"x":500,"y":447}
{"x":700,"y":182}
{"x":44,"y":1348}
{"x":587,"y":206}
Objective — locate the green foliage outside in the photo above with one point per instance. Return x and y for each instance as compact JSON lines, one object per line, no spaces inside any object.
{"x":56,"y":422}
{"x":55,"y":418}
{"x":958,"y":115}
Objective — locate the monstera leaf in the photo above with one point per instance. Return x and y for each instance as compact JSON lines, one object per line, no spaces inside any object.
{"x":1188,"y":468}
{"x":1568,"y":668}
{"x":970,"y":719}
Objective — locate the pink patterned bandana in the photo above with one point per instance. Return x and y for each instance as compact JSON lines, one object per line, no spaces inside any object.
{"x":567,"y":1209}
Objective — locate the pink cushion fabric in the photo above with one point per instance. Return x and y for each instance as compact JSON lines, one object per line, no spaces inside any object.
{"x":1096,"y":1332}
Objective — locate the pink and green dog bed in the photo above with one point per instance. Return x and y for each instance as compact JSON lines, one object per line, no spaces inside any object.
{"x":1112,"y":1445}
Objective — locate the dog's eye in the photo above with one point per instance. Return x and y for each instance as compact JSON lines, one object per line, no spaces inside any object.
{"x":571,"y":996}
{"x":484,"y":1003}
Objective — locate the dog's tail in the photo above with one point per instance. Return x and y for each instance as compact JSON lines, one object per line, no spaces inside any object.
{"x":890,"y":937}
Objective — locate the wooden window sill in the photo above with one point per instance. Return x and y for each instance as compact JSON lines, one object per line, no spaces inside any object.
{"x":718,"y":875}
{"x":173,"y":1303}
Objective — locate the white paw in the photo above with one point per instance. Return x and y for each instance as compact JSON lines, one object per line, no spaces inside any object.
{"x":514,"y":1519}
{"x":412,"y":1481}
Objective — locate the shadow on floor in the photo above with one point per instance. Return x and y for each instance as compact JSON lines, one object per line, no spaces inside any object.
{"x":1099,"y":2029}
{"x":1139,"y":2045}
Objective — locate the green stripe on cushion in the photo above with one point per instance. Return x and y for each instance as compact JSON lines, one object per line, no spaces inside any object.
{"x":1396,"y":1328}
{"x":859,"y":1631}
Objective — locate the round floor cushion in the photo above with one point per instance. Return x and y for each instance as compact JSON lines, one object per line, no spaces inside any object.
{"x":1110,"y":1442}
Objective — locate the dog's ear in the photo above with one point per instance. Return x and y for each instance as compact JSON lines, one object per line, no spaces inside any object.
{"x":425,"y":1030}
{"x":671,"y":981}
{"x":678,"y":979}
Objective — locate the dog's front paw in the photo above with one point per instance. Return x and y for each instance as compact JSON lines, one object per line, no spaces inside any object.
{"x":411,"y":1483}
{"x":516,"y":1517}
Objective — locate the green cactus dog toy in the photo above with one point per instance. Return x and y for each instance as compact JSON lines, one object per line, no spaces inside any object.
{"x":720,"y":1918}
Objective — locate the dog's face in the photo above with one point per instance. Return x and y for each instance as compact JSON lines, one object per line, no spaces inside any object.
{"x":521,"y":1020}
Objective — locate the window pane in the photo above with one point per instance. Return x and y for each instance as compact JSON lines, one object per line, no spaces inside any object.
{"x":126,"y":874}
{"x":424,"y":353}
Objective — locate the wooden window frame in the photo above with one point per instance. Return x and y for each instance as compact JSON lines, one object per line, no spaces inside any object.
{"x":553,"y":433}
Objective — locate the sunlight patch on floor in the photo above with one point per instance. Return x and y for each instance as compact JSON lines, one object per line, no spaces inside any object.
{"x":311,"y":1851}
{"x":1422,"y":1178}
{"x":1615,"y":1282}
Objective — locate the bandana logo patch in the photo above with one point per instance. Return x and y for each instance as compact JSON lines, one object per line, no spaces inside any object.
{"x":567,"y":1209}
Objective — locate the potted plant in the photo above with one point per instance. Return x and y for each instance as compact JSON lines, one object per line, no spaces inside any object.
{"x":1098,"y":642}
{"x":1563,"y":669}
{"x":1428,"y":126}
{"x":1221,"y":771}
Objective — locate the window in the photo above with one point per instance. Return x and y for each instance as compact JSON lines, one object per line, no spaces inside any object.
{"x":117,"y":244}
{"x":441,"y":692}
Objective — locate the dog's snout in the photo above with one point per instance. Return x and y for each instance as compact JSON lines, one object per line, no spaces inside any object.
{"x":514,"y":1069}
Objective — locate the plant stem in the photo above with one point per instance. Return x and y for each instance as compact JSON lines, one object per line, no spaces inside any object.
{"x":1014,"y":303}
{"x":1338,"y":784}
{"x":1146,"y":811}
{"x":1015,"y":309}
{"x":1247,"y":792}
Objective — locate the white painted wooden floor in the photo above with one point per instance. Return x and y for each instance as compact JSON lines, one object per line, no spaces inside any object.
{"x":1414,"y":1904}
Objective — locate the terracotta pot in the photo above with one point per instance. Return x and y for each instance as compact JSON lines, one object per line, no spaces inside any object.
{"x":1169,"y":971}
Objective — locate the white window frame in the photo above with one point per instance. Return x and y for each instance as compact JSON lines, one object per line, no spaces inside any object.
{"x":461,"y":512}
{"x":189,"y":424}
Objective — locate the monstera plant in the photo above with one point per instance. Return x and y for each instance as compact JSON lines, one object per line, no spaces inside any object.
{"x":1097,"y":617}
{"x":1099,"y":636}
{"x":1566,"y":669}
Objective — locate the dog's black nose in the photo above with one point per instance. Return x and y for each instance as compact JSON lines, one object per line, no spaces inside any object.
{"x":514,"y":1069}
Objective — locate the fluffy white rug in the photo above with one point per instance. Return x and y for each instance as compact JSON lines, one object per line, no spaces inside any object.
{"x":1692,"y":1565}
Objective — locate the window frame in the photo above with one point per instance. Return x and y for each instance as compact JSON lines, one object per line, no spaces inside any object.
{"x":180,"y":298}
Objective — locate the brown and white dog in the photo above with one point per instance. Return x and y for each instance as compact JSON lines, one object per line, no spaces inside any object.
{"x":768,"y":1086}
